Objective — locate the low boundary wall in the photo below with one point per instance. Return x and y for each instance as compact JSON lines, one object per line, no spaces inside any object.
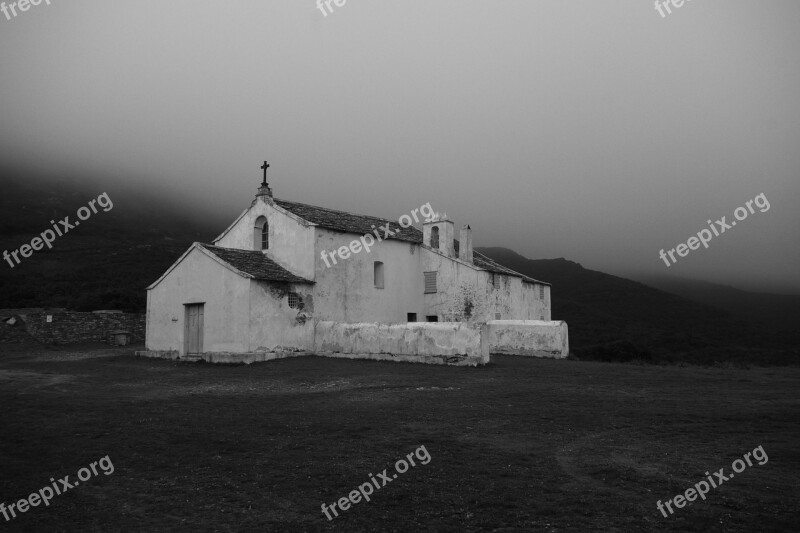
{"x":442,"y":343}
{"x":448,"y":343}
{"x":535,"y":338}
{"x":69,"y":327}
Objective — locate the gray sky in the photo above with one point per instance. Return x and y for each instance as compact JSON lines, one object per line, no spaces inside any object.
{"x":596,"y":131}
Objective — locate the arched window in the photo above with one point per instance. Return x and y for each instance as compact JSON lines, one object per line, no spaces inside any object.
{"x":378,"y":274}
{"x":435,"y":237}
{"x":261,"y":234}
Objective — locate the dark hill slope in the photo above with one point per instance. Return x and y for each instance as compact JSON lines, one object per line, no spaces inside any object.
{"x":780,"y":310}
{"x":602,"y":310}
{"x":106,"y":262}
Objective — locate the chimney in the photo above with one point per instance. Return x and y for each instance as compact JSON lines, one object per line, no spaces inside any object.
{"x":465,"y":244}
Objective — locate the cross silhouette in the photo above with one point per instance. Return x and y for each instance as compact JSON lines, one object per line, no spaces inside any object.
{"x":264,"y":167}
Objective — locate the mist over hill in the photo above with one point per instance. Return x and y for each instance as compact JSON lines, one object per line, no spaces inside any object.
{"x":109,"y":260}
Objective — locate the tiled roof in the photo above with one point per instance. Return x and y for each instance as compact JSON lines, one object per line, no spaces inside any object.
{"x":481,"y":261}
{"x":254,"y":263}
{"x":363,"y":224}
{"x":349,"y":222}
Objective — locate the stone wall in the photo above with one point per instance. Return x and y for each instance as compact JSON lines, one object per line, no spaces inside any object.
{"x":451,"y":343}
{"x":69,"y":327}
{"x":537,"y":338}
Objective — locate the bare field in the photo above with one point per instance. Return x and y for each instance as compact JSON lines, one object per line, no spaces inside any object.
{"x":521,"y":445}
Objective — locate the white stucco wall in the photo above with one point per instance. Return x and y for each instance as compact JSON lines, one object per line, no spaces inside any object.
{"x":291,"y":240}
{"x":423,"y":339}
{"x":346,"y":292}
{"x":240,"y":314}
{"x":274,"y":326}
{"x":199,"y":279}
{"x":529,"y":337}
{"x":532,"y":307}
{"x":470,"y":295}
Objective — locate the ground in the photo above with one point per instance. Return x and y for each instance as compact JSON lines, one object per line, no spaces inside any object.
{"x":520,"y":445}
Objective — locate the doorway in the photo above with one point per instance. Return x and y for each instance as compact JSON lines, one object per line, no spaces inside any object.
{"x":193,"y":333}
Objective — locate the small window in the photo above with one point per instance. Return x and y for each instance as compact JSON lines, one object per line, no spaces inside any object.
{"x":294,"y":300}
{"x":541,"y":292}
{"x":430,"y":282}
{"x":432,"y":318}
{"x":412,"y":317}
{"x":377,"y":274}
{"x":435,"y":238}
{"x":541,"y":317}
{"x":497,"y":316}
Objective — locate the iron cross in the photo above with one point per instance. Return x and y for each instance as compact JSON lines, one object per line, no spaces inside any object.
{"x":264,"y":167}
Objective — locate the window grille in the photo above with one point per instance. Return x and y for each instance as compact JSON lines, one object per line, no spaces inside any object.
{"x":541,"y":292}
{"x":294,"y":300}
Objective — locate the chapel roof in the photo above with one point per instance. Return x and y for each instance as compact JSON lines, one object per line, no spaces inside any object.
{"x":254,"y":264}
{"x":363,"y":224}
{"x":349,"y":222}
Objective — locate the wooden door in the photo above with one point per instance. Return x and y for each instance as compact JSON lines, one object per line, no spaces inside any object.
{"x":194,"y":329}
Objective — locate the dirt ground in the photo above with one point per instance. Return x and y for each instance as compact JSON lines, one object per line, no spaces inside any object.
{"x":520,"y":445}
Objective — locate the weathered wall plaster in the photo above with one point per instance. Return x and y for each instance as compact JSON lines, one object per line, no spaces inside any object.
{"x":529,"y":337}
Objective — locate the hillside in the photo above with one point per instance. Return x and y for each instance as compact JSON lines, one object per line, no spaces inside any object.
{"x":608,"y":314}
{"x":105,"y":263}
{"x":782,"y":310}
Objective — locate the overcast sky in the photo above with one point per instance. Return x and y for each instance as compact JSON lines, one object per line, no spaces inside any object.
{"x":598,"y":131}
